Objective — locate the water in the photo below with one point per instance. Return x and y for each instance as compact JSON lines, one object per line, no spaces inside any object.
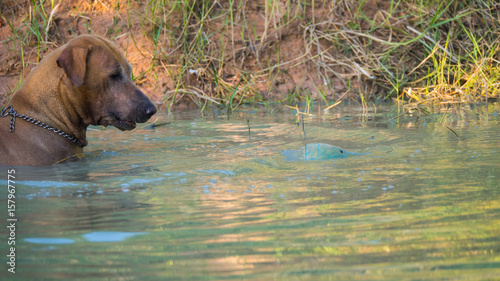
{"x":212,"y":198}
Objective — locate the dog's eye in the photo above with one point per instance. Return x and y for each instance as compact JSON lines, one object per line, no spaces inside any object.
{"x":115,"y":76}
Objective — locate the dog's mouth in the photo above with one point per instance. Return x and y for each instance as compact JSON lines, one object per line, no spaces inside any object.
{"x":122,"y":125}
{"x":127,"y":121}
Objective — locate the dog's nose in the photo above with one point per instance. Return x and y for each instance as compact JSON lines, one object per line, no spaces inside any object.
{"x":150,"y":110}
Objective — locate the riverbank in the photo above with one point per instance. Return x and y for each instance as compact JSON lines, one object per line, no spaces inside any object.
{"x":199,"y":53}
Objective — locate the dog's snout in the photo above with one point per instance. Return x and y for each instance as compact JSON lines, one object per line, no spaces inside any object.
{"x":144,"y":108}
{"x":144,"y":112}
{"x":150,"y":110}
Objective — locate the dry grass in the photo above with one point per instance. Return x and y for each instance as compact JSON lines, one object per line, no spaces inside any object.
{"x":229,"y":52}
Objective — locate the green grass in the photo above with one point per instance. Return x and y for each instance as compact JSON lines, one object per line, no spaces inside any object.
{"x":226,"y":53}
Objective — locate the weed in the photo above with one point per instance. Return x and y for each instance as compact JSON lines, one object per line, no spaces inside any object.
{"x":232,"y":52}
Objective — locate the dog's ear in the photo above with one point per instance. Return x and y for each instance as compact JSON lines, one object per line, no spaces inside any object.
{"x":73,"y":60}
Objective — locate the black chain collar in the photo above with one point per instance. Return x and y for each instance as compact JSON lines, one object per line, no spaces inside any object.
{"x":13,"y":114}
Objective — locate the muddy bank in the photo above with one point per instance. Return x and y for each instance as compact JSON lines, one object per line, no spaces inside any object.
{"x":192,"y":52}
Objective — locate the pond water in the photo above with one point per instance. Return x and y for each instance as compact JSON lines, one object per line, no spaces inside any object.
{"x":348,"y":195}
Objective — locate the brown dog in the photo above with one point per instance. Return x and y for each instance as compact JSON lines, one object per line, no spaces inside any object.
{"x":85,"y":82}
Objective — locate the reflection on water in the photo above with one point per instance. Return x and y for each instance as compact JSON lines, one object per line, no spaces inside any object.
{"x":317,"y":151}
{"x":212,"y":198}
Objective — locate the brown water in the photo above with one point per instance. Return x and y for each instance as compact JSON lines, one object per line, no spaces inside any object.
{"x":214,"y":198}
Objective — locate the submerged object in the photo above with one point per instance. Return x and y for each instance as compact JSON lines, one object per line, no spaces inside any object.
{"x":317,"y":151}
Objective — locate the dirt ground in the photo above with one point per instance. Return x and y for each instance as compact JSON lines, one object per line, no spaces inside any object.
{"x":275,"y":65}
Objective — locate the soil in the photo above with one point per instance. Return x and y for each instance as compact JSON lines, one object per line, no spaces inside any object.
{"x":129,"y":24}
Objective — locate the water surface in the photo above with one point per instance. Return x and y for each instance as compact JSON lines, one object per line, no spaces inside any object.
{"x":207,"y":197}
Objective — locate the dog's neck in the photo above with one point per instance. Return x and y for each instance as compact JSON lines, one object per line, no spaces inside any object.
{"x":68,"y":120}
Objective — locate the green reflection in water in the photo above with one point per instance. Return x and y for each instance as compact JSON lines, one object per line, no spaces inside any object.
{"x":215,"y":201}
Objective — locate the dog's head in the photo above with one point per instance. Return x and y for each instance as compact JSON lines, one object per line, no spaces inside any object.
{"x":100,"y":72}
